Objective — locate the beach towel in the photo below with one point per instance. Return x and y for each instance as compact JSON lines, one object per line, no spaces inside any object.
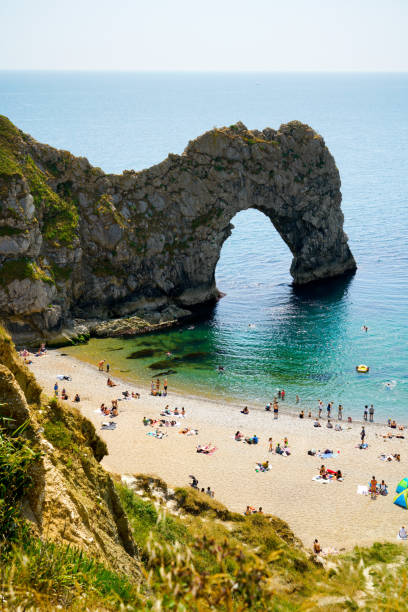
{"x":63,"y":377}
{"x":110,"y":425}
{"x":320,"y":479}
{"x":362,"y":490}
{"x":325,"y":455}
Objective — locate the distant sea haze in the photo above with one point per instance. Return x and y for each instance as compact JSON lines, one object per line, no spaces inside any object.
{"x":264,"y":333}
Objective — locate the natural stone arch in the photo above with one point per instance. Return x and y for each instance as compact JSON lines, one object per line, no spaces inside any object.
{"x":104,"y":245}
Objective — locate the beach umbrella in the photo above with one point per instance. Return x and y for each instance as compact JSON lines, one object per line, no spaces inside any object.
{"x":401,"y":499}
{"x":402,"y":485}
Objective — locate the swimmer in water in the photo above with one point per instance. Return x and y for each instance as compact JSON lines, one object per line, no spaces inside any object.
{"x":252,"y":325}
{"x":220,"y":368}
{"x":365,"y":328}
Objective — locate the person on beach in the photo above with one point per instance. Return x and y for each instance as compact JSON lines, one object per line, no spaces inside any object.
{"x":100,"y":365}
{"x":238,"y":436}
{"x":260,"y":511}
{"x":371,"y":413}
{"x":373,"y":488}
{"x":56,"y":389}
{"x":77,"y":398}
{"x":268,"y":407}
{"x":165,"y":385}
{"x":245,"y":410}
{"x":107,"y":367}
{"x":340,"y":412}
{"x":316,"y":547}
{"x":323,"y":472}
{"x":285,"y":442}
{"x":317,"y":423}
{"x":275,"y":410}
{"x":365,"y":412}
{"x":329,"y":407}
{"x":362,"y":435}
{"x":310,"y":414}
{"x":402,"y":534}
{"x":110,"y":383}
{"x":270,"y":445}
{"x":301,"y":414}
{"x":283,"y":394}
{"x":320,"y":408}
{"x":338,"y":475}
{"x":329,"y":424}
{"x":383,"y":488}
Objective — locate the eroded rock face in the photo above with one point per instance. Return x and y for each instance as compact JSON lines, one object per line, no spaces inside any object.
{"x":101,"y":243}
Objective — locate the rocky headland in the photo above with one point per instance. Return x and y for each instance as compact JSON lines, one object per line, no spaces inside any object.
{"x":83,"y":252}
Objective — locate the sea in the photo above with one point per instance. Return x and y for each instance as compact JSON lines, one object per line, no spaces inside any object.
{"x":265,"y":334}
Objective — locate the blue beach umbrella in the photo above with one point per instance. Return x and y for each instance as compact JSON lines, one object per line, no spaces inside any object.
{"x":401,"y":499}
{"x":402,"y":485}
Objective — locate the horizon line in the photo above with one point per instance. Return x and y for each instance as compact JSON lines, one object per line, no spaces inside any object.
{"x":201,"y":71}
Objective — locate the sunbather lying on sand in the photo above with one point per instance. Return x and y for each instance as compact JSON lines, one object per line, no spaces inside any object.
{"x":207,"y":449}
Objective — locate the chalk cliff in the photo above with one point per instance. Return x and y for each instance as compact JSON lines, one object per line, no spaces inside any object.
{"x":80,"y":245}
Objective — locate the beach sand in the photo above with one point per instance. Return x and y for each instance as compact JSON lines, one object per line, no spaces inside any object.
{"x":333,"y":512}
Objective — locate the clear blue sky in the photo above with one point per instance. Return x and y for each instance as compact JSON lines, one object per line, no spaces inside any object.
{"x":270,"y":35}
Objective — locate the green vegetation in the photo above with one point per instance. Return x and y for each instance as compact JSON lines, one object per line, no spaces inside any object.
{"x":60,"y":273}
{"x":40,"y":575}
{"x":58,"y":434}
{"x":60,"y":216}
{"x":17,"y":457}
{"x":6,"y":230}
{"x":9,"y":136}
{"x":19,"y":269}
{"x":105,"y":206}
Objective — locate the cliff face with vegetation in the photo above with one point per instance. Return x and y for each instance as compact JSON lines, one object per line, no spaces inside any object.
{"x":74,"y":538}
{"x":76,"y":243}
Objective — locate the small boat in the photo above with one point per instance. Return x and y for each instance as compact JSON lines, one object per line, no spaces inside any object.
{"x":362,"y":368}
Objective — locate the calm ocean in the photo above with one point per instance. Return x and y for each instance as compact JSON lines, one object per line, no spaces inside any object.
{"x":306,"y":342}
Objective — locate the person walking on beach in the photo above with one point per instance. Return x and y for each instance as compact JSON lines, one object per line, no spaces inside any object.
{"x":100,"y":365}
{"x":165,"y":385}
{"x":373,"y":488}
{"x":56,"y":389}
{"x":329,"y":405}
{"x":107,"y":367}
{"x":365,"y":412}
{"x":371,"y":413}
{"x":275,"y":410}
{"x":340,"y":412}
{"x":320,"y":408}
{"x":362,"y":435}
{"x":270,"y":447}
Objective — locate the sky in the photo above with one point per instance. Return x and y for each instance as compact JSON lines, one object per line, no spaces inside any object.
{"x":208,"y":35}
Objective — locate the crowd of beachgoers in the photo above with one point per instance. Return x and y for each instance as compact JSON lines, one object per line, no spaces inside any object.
{"x":170,"y":421}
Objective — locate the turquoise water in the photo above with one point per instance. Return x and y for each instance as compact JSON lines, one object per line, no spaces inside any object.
{"x":307,"y":342}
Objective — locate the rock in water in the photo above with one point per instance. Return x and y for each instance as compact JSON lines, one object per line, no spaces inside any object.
{"x":75,"y":242}
{"x":142,"y":353}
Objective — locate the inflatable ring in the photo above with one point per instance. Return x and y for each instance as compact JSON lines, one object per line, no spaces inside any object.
{"x":363,"y":369}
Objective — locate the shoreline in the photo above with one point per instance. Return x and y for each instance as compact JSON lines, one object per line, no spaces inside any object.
{"x":286,"y":407}
{"x":333,"y":513}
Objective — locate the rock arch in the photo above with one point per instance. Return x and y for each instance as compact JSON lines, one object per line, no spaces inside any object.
{"x":107,"y":245}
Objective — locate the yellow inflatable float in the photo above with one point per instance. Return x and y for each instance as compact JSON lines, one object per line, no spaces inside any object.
{"x":362,"y":368}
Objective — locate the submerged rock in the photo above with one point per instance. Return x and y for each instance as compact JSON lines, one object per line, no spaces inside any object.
{"x":143,"y":353}
{"x":75,"y":242}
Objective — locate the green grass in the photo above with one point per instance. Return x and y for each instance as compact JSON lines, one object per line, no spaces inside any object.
{"x":60,"y":216}
{"x":17,"y":457}
{"x":41,"y":574}
{"x":6,"y":230}
{"x":58,"y":434}
{"x":19,"y":269}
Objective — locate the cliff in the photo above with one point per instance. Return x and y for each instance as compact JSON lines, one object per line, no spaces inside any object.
{"x":79,"y":244}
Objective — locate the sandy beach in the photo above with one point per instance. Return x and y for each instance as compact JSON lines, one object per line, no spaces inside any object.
{"x":332,"y":511}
